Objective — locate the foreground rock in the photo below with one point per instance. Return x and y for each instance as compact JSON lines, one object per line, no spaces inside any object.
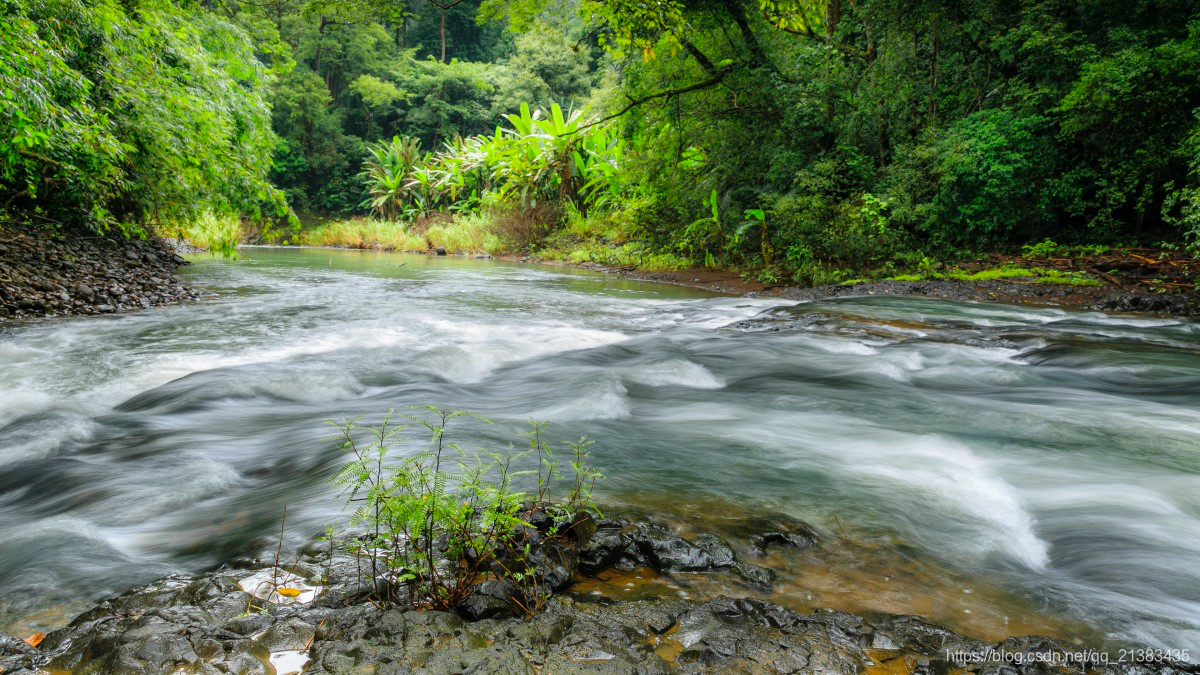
{"x":232,"y":621}
{"x":40,"y":276}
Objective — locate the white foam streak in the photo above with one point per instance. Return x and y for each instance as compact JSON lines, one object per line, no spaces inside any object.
{"x":677,"y":372}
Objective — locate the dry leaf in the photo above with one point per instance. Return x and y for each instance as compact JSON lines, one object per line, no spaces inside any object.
{"x":35,"y":639}
{"x":288,"y":592}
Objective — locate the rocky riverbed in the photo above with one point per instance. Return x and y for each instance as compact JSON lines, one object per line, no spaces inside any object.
{"x":43,"y":275}
{"x":233,"y":620}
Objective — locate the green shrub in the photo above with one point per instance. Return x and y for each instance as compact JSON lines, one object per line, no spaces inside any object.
{"x":442,"y":519}
{"x":827,"y":239}
{"x":992,"y":164}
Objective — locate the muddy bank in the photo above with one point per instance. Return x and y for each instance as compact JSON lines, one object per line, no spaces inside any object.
{"x":1099,"y":298}
{"x":322,"y":621}
{"x":42,"y":276}
{"x":1106,"y":298}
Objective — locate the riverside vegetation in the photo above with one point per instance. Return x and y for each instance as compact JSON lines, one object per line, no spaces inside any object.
{"x":441,"y":520}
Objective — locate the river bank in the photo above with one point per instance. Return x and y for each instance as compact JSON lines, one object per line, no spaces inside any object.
{"x":99,"y":275}
{"x":314,"y":614}
{"x":42,"y":275}
{"x":1105,"y":297}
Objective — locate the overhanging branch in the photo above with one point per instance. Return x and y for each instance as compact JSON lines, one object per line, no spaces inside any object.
{"x":666,"y":95}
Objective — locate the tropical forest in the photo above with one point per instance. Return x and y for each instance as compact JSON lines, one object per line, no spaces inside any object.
{"x":632,"y":336}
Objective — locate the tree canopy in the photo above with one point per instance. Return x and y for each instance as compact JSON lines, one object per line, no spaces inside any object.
{"x":131,"y":113}
{"x":811,"y":136}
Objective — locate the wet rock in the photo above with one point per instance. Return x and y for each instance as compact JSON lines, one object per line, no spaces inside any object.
{"x":188,"y":623}
{"x":667,"y":552}
{"x":249,"y":624}
{"x":556,"y":562}
{"x":914,"y":634}
{"x":15,"y":655}
{"x":288,"y":635}
{"x":754,"y":576}
{"x":624,"y":544}
{"x":741,"y":635}
{"x":491,"y":599}
{"x":83,"y":275}
{"x":606,"y":547}
{"x":801,"y":539}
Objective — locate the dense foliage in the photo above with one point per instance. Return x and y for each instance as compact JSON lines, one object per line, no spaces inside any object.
{"x":363,"y":75}
{"x":811,"y":139}
{"x":130,"y":114}
{"x":543,"y":157}
{"x":862,"y":134}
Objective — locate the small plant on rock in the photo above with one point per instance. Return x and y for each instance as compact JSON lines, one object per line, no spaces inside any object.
{"x":442,"y":520}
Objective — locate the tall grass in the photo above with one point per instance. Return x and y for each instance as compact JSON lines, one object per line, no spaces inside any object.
{"x":464,"y":234}
{"x":363,"y":233}
{"x":594,"y":239}
{"x":469,"y":233}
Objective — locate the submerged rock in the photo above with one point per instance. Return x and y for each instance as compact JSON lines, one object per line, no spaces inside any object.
{"x":789,"y":539}
{"x":754,"y":576}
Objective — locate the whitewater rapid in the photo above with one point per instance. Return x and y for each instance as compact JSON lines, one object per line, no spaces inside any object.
{"x":1055,"y":454}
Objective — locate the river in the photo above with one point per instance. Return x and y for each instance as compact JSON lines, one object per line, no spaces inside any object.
{"x":1001,"y":469}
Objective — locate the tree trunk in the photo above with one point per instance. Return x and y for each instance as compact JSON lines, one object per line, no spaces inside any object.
{"x":933,"y":79}
{"x":320,"y":39}
{"x":833,"y":15}
{"x":443,"y":31}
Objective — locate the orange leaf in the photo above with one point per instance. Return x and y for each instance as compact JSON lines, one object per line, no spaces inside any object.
{"x":288,"y":592}
{"x":35,"y":639}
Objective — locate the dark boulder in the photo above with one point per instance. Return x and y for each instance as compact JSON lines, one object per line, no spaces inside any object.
{"x":492,"y":599}
{"x":606,"y":548}
{"x":668,"y":552}
{"x":624,"y":544}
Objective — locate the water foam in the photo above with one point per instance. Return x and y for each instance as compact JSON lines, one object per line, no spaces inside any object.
{"x":676,"y":372}
{"x":604,"y":398}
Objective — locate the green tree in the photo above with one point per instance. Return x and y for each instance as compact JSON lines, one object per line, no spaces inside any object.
{"x":133,"y":114}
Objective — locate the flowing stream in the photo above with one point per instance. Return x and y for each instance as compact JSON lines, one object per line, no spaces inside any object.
{"x":1000,"y":469}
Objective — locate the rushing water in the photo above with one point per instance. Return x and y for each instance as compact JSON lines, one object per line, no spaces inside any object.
{"x":1050,"y":458}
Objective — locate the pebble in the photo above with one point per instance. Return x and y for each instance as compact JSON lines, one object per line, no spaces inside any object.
{"x":84,"y":274}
